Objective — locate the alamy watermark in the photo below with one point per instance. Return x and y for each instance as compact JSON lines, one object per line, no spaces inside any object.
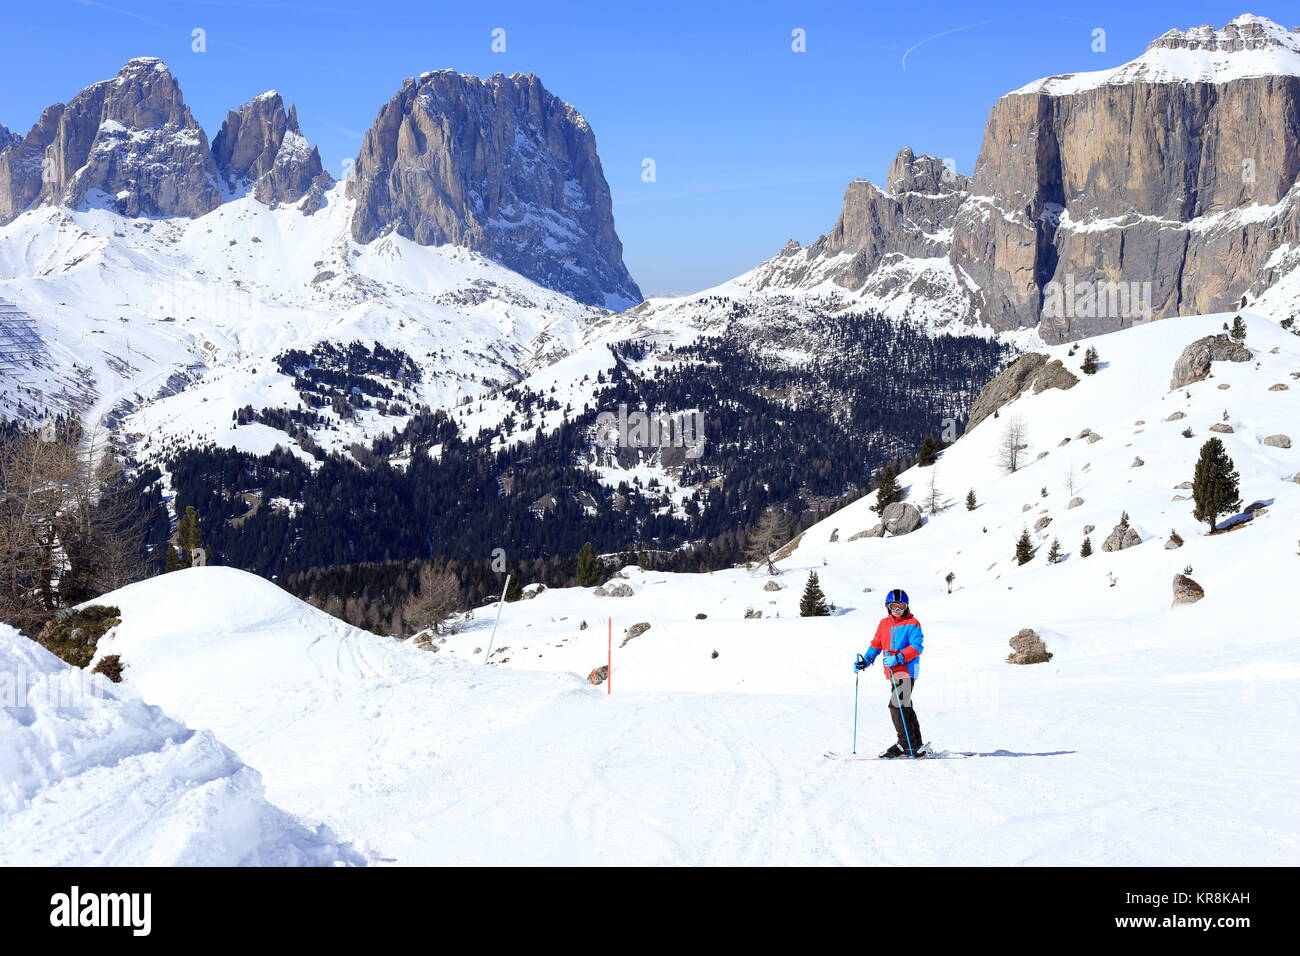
{"x":622,"y":429}
{"x":1097,"y":299}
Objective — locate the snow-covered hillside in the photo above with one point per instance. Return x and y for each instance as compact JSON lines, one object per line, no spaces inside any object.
{"x":92,"y":775}
{"x":131,"y":311}
{"x":1155,"y":735}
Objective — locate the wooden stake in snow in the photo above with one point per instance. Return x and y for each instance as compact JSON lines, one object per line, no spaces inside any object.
{"x":500,"y":605}
{"x":609,"y":661}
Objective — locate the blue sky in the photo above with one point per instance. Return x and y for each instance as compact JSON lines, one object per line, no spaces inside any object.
{"x":753,"y":143}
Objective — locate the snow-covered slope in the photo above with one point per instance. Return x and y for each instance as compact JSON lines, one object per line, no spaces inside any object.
{"x":1155,"y":735}
{"x":92,"y":775}
{"x":132,"y":310}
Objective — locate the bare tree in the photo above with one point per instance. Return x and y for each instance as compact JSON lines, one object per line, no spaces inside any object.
{"x":68,"y":530}
{"x":1070,"y":483}
{"x":772,"y":531}
{"x":934,"y":501}
{"x":1012,"y":444}
{"x":439,"y":598}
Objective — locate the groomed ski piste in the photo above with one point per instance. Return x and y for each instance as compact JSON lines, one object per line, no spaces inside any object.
{"x":1156,"y":735}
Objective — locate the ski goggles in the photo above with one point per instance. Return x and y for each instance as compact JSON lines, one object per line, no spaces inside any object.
{"x":896,"y":606}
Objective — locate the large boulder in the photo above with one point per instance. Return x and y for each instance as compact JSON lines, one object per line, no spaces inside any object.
{"x":1193,"y":364}
{"x":1278,"y":441}
{"x":618,"y":590}
{"x":1186,"y":591}
{"x":1028,"y":648}
{"x":900,"y":518}
{"x":1121,"y":537}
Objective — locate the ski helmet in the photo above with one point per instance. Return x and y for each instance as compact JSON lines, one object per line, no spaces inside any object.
{"x":896,"y":596}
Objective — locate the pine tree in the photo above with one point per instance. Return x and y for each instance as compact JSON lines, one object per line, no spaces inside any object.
{"x":588,"y":573}
{"x":813,"y":602}
{"x":1090,"y":360}
{"x":929,"y":453}
{"x":189,"y":538}
{"x":970,"y":500}
{"x":888,"y":491}
{"x":1024,"y":548}
{"x":1054,"y":555}
{"x":515,"y":587}
{"x":1238,"y":329}
{"x":1086,"y":550}
{"x":1215,"y":486}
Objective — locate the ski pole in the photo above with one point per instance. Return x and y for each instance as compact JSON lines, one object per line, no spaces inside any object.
{"x":893,"y":681}
{"x":856,"y":675}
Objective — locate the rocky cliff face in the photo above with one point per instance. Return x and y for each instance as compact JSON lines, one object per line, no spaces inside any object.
{"x":129,"y":143}
{"x":262,"y":149}
{"x":1164,"y":187}
{"x":498,"y":165}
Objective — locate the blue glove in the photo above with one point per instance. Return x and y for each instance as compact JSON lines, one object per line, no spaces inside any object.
{"x":894,"y":658}
{"x":861,"y":664}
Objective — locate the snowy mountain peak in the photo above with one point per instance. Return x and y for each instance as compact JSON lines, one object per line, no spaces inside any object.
{"x":1248,"y":46}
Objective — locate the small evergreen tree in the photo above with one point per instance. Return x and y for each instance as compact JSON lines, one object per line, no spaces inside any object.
{"x":1086,"y":550}
{"x":888,"y":491}
{"x":189,"y":538}
{"x":970,"y":500}
{"x":1238,"y":330}
{"x":514,"y":588}
{"x":1054,"y":555}
{"x":949,"y":579}
{"x":813,"y":602}
{"x":929,"y":453}
{"x":1090,"y":359}
{"x":1024,"y":548}
{"x":1215,"y":486}
{"x":588,"y":573}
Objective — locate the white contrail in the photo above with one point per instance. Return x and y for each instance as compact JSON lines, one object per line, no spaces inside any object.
{"x":971,"y":26}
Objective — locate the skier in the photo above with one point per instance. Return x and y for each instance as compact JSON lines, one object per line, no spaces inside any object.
{"x":899,"y":637}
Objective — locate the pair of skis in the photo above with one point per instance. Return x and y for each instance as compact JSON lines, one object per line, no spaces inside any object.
{"x":926,"y":754}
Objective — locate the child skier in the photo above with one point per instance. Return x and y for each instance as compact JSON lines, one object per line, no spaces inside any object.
{"x":899,"y":637}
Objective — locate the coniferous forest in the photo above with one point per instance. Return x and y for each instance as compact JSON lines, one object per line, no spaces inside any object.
{"x":806,"y":437}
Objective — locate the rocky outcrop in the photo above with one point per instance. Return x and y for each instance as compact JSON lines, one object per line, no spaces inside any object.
{"x":910,"y":219}
{"x":8,"y":138}
{"x":1193,"y":364}
{"x":1186,"y":591}
{"x":1278,"y":441}
{"x":497,"y":165}
{"x":128,"y":143}
{"x":261,"y":149}
{"x":1028,"y":648}
{"x":636,"y":630}
{"x":1031,"y":370}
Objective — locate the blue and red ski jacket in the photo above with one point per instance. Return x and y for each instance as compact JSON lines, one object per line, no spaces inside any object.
{"x":895,"y":635}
